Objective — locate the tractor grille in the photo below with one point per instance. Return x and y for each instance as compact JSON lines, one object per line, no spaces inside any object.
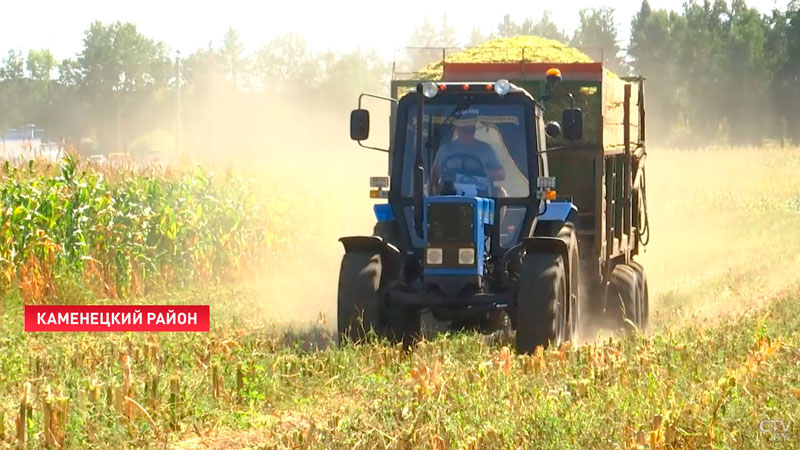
{"x":451,"y":223}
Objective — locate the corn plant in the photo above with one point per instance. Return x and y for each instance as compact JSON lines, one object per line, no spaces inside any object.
{"x":122,"y":233}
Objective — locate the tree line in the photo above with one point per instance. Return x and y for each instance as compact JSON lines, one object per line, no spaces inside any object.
{"x":122,"y":85}
{"x":717,"y":72}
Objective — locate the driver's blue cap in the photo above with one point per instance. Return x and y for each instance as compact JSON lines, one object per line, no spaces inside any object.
{"x":468,"y":118}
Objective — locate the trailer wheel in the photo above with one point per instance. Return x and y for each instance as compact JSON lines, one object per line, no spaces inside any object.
{"x":622,"y":303}
{"x":644,"y":296}
{"x":541,"y":302}
{"x":358,"y":306}
{"x":567,"y":234}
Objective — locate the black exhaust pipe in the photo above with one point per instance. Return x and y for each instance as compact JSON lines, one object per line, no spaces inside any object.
{"x":419,"y":170}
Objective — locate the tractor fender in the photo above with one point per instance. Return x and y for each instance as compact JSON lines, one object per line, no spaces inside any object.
{"x":390,"y":254}
{"x":367,"y":243}
{"x":559,"y":212}
{"x":544,"y":244}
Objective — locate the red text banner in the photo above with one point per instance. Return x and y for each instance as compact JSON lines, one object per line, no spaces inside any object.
{"x":117,"y":318}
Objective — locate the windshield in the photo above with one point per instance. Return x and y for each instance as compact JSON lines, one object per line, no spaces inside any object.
{"x":469,"y":149}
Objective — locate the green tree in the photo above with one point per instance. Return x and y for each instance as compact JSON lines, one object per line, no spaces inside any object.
{"x":507,"y":28}
{"x":232,"y":52}
{"x":792,"y":67}
{"x":545,"y":28}
{"x":426,"y":43}
{"x":69,"y":73}
{"x":643,"y":32}
{"x":598,"y":31}
{"x":13,"y":66}
{"x":476,"y":37}
{"x":348,"y":74}
{"x":656,"y":39}
{"x":427,"y":35}
{"x":783,"y":50}
{"x":286,"y":61}
{"x":11,"y":103}
{"x":424,"y":35}
{"x":747,"y":111}
{"x":703,"y":61}
{"x":203,"y":70}
{"x":40,"y":64}
{"x":121,"y":71}
{"x":446,"y":36}
{"x":17,"y":105}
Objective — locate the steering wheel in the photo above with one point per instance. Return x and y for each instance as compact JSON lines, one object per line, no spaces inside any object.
{"x":470,"y":166}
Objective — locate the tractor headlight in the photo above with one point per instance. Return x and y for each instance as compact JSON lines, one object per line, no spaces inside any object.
{"x":501,"y":87}
{"x":430,"y":89}
{"x":433,"y":256}
{"x":466,"y":256}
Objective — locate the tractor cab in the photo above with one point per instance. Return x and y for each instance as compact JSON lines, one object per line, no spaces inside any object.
{"x":475,"y":146}
{"x":470,"y":141}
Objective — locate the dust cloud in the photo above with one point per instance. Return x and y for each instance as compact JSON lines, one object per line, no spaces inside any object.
{"x":725,"y":221}
{"x":315,"y":181}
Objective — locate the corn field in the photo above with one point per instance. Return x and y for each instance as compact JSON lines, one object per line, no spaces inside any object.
{"x":244,"y":388}
{"x":117,"y":233}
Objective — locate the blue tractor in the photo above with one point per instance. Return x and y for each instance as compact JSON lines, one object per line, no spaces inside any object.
{"x":474,"y":231}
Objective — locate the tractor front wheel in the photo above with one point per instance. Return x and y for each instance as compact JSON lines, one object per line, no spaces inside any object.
{"x":541,"y":302}
{"x":402,"y":324}
{"x":359,"y":302}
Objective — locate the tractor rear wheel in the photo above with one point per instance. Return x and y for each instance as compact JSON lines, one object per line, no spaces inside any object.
{"x":541,"y":302}
{"x":644,"y":296}
{"x":359,"y":305}
{"x":623,"y":293}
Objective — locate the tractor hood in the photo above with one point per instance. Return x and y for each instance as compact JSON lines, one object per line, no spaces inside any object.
{"x":455,"y":237}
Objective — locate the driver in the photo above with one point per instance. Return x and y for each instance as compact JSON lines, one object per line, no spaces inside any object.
{"x":466,"y":144}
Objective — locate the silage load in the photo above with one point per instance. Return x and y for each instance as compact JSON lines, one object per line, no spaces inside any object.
{"x":532,"y":49}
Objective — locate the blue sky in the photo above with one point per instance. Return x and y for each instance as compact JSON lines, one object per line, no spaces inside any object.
{"x":337,"y":25}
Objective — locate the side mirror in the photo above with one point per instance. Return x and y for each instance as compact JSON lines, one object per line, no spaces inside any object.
{"x":572,"y":120}
{"x":359,"y":125}
{"x":553,"y":129}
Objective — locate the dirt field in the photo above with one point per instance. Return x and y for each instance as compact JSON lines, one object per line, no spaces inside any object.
{"x":726,"y":230}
